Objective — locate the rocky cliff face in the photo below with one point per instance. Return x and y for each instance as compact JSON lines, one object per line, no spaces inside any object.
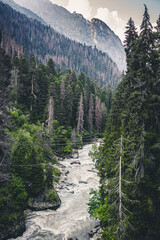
{"x":76,"y":27}
{"x":106,"y":40}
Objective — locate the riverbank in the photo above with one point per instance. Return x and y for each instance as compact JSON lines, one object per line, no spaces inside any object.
{"x":71,"y":220}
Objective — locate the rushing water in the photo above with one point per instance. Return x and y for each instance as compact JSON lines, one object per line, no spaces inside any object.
{"x":71,"y":220}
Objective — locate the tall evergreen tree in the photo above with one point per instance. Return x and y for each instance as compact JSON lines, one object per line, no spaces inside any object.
{"x":68,"y":100}
{"x":134,"y":113}
{"x":130,"y":37}
{"x":43,"y":91}
{"x":146,"y":39}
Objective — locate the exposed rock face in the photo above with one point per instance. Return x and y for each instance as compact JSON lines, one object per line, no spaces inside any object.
{"x":106,"y":40}
{"x":76,"y":27}
{"x":39,"y":203}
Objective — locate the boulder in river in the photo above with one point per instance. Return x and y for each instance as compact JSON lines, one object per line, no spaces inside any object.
{"x":84,"y":182}
{"x":75,"y":162}
{"x":44,"y":201}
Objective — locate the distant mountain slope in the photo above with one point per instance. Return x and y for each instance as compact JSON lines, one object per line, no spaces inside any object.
{"x":24,"y":10}
{"x":76,"y":27}
{"x":21,"y":35}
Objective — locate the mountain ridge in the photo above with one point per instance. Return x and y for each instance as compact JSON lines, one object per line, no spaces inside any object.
{"x":76,"y":27}
{"x":23,"y":10}
{"x":21,"y":35}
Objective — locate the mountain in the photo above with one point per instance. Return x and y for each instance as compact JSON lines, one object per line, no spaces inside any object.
{"x":25,"y":36}
{"x":76,"y":27}
{"x":23,"y":10}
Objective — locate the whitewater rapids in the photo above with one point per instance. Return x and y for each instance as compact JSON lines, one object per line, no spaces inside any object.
{"x":71,"y":220}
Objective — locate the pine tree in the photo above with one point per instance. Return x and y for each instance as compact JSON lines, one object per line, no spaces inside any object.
{"x":81,"y":78}
{"x":51,"y":67}
{"x":5,"y":68}
{"x":135,"y":113}
{"x":146,"y":39}
{"x":42,"y":82}
{"x":156,"y":49}
{"x":130,"y":37}
{"x":24,"y":86}
{"x":68,"y":100}
{"x":73,"y":80}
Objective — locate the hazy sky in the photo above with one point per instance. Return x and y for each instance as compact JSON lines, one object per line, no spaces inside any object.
{"x":113,"y":12}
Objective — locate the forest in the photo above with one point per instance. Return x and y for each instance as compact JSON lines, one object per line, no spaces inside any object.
{"x":128,"y":161}
{"x":22,"y":36}
{"x":47,"y":112}
{"x":44,"y":116}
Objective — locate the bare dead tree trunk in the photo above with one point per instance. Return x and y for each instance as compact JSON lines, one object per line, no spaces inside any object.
{"x":80,"y":116}
{"x":73,"y":138}
{"x":62,"y":90}
{"x":50,"y":113}
{"x":32,"y":93}
{"x":14,"y":81}
{"x":98,"y":114}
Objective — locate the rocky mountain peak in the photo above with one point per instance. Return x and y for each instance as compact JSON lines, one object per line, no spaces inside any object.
{"x":76,"y":27}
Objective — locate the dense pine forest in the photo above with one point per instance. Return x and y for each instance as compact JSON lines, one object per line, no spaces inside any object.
{"x":44,"y":115}
{"x":128,"y":201}
{"x":24,"y":36}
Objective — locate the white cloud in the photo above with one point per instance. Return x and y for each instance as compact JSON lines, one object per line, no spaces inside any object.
{"x":112,"y":19}
{"x":80,"y":6}
{"x":60,"y":2}
{"x":54,"y":1}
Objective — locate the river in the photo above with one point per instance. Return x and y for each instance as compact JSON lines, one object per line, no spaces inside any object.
{"x":71,"y":220}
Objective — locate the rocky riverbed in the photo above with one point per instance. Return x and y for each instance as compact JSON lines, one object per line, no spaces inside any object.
{"x":71,"y":220}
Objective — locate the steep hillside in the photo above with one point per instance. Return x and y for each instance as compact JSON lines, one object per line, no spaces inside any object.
{"x":21,"y":35}
{"x":76,"y":27}
{"x":23,"y":10}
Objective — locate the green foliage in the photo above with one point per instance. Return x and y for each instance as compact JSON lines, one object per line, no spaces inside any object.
{"x":94,"y":204}
{"x":59,"y":139}
{"x":129,"y":208}
{"x":32,"y":87}
{"x":18,"y":119}
{"x":13,"y":200}
{"x":19,"y":194}
{"x":56,"y":174}
{"x":51,"y":196}
{"x":32,"y":150}
{"x":27,"y":162}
